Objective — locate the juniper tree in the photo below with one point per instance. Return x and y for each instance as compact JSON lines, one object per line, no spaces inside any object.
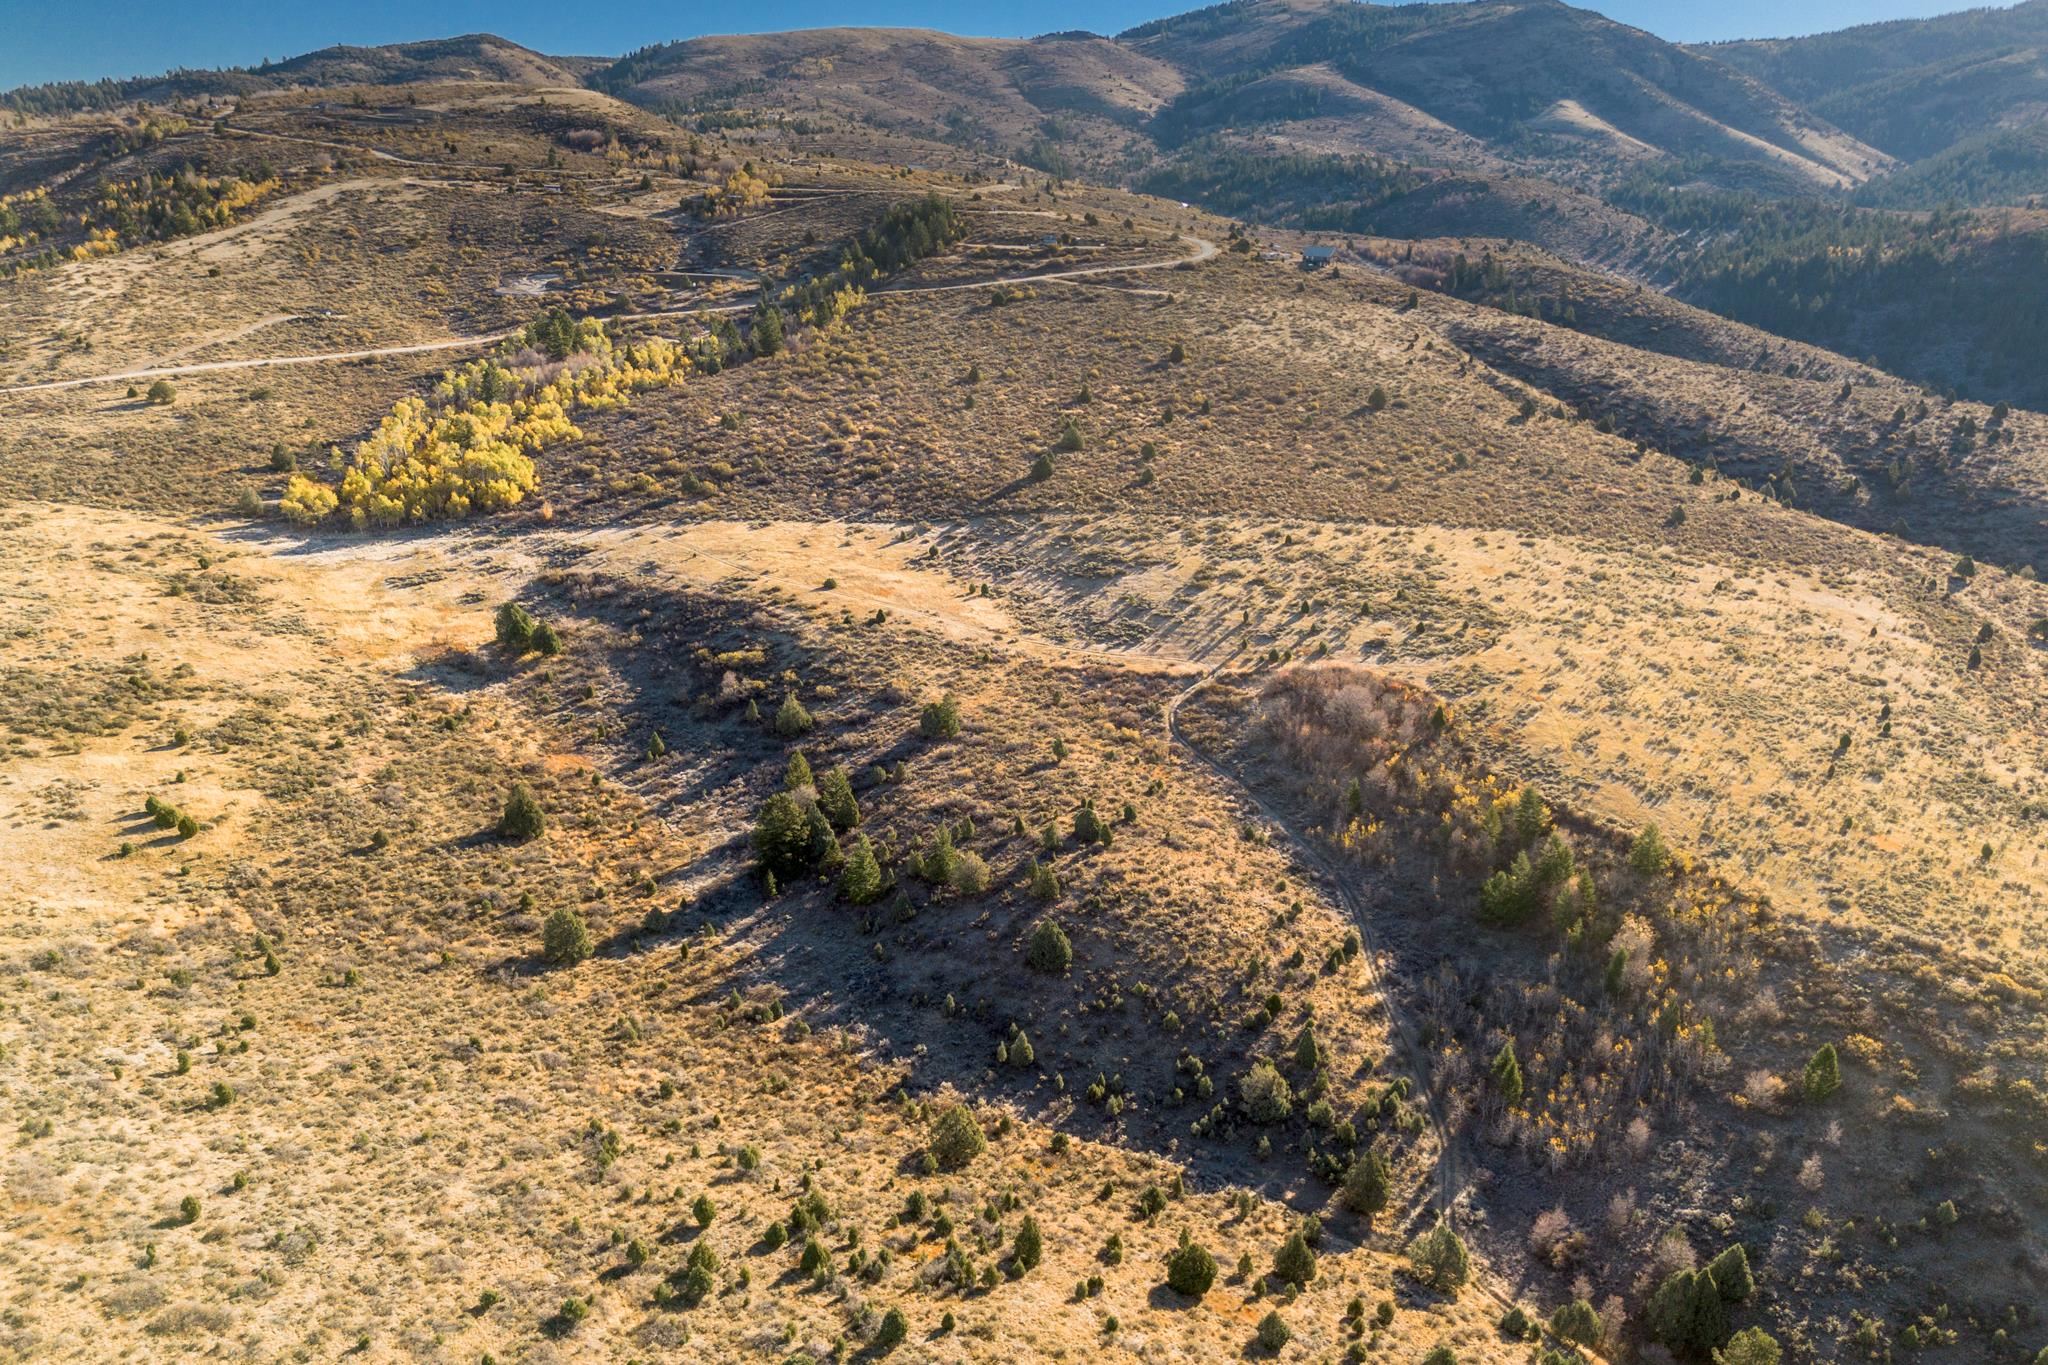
{"x":1731,"y":1274}
{"x":522,"y":817}
{"x":1755,"y":1346}
{"x":957,"y":1138}
{"x":892,"y":1332}
{"x":1309,"y":1056}
{"x":1577,"y":1323}
{"x":1274,"y":1332}
{"x":1029,"y":1246}
{"x":515,"y":627}
{"x":1439,"y":1260}
{"x":1190,"y":1270}
{"x":565,"y":938}
{"x":1049,"y":950}
{"x":1368,"y":1183}
{"x":1295,"y":1262}
{"x":940,"y":719}
{"x":797,"y":775}
{"x":1687,"y":1312}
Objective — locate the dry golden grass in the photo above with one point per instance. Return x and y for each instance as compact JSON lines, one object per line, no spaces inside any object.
{"x":421,"y":1108}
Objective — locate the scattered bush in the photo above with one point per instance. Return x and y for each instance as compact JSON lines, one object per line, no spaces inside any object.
{"x":957,"y":1138}
{"x":1265,"y":1093}
{"x":1295,"y":1262}
{"x":892,"y":1332}
{"x":1367,"y":1183}
{"x":522,"y":818}
{"x":1438,"y":1259}
{"x":940,"y":719}
{"x":1577,"y":1322}
{"x":1190,"y":1270}
{"x":565,"y":938}
{"x":1274,"y":1332}
{"x":1049,"y":950}
{"x":515,"y":627}
{"x":970,"y":875}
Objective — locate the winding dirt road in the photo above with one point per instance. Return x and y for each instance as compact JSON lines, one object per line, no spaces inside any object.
{"x":1204,"y":250}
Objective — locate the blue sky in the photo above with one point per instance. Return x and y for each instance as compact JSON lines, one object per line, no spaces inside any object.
{"x":80,"y":39}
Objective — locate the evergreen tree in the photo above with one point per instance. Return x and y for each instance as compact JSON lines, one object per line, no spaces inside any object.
{"x":1750,"y":1346}
{"x":515,"y":627}
{"x":1730,"y":1271}
{"x":1308,"y":1053}
{"x":821,"y":844}
{"x":1029,"y":1246}
{"x":1295,"y":1262}
{"x":1049,"y":950}
{"x":522,"y":817}
{"x":1532,"y":817}
{"x":1274,"y":1332}
{"x":767,"y":329}
{"x":957,"y":1138}
{"x":1647,"y":854}
{"x":940,"y":719}
{"x":1577,"y":1323}
{"x":1507,"y":1075}
{"x":835,"y":798}
{"x":894,"y":1329}
{"x":1367,"y":1183}
{"x":1438,"y":1259}
{"x":782,"y":839}
{"x":1687,"y":1313}
{"x":565,"y":938}
{"x":1190,"y":1270}
{"x":861,"y":882}
{"x":797,"y":775}
{"x":791,"y":719}
{"x":1823,"y":1074}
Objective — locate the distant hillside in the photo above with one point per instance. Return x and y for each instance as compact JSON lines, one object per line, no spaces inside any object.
{"x":1505,"y":85}
{"x":473,"y":57}
{"x":1536,"y":82}
{"x":1914,"y":87}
